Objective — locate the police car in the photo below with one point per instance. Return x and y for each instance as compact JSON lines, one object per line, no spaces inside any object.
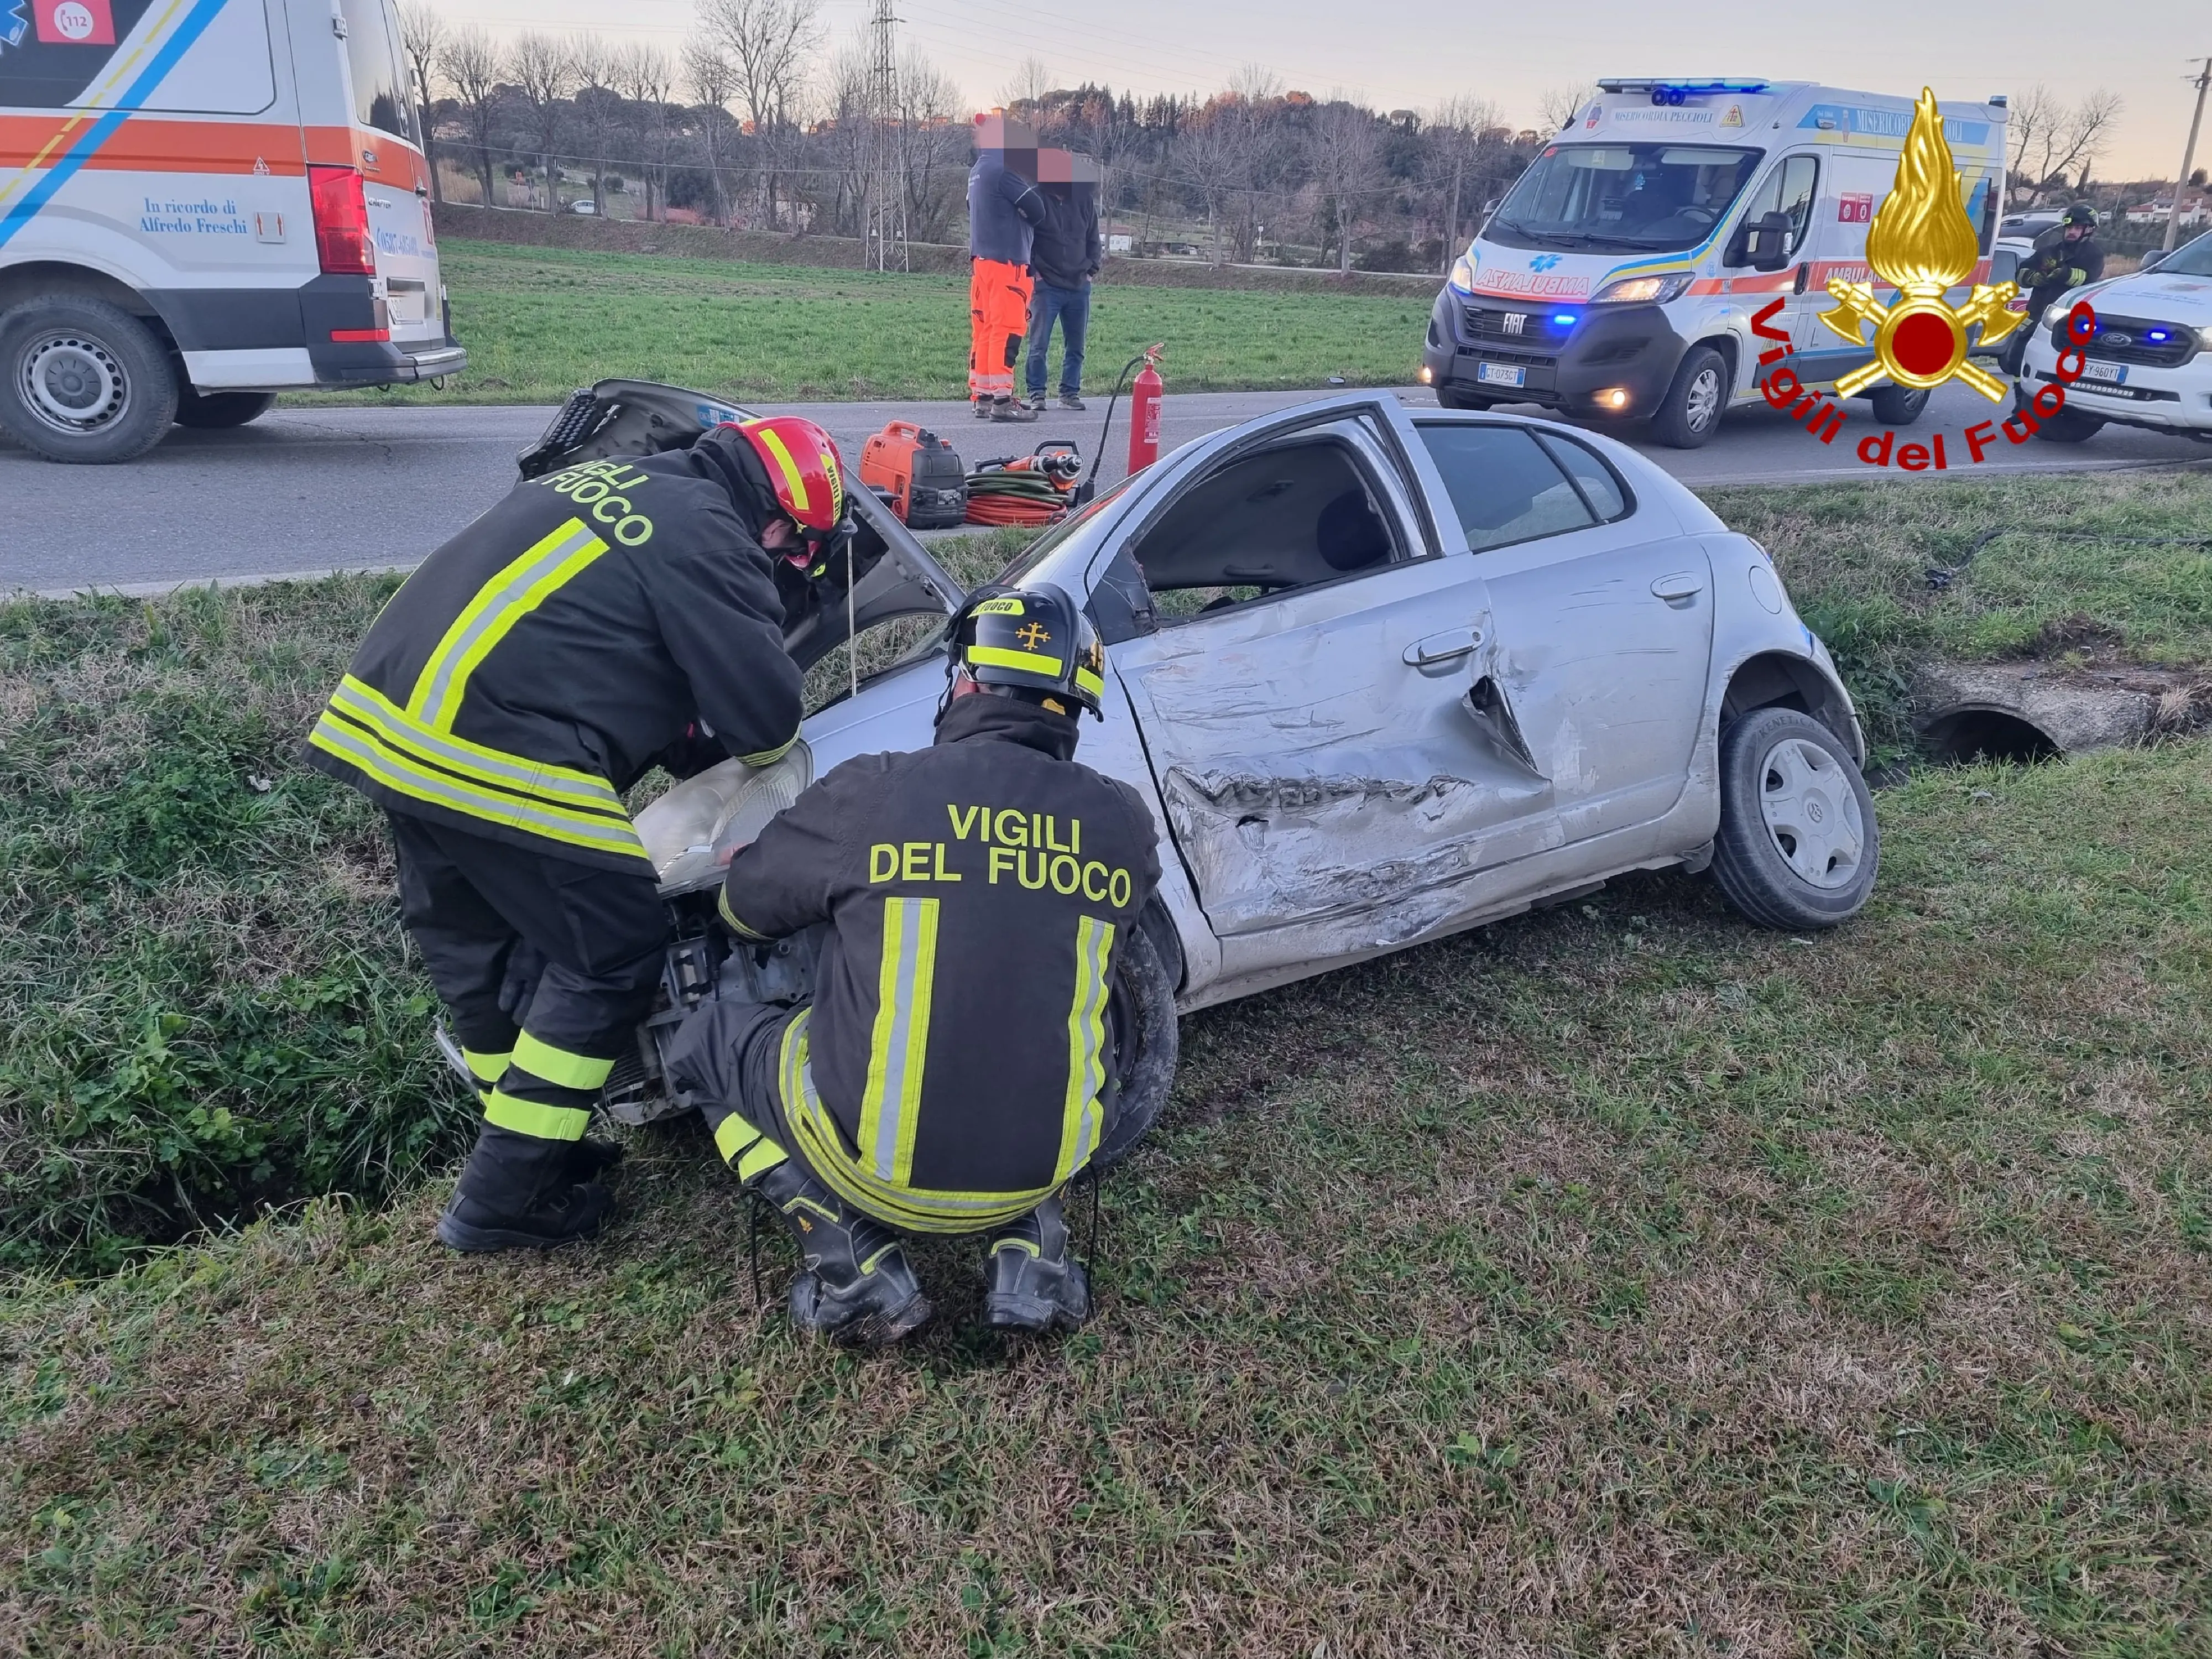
{"x":2150,"y":361}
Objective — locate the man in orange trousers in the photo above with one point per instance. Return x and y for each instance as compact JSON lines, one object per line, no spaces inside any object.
{"x":1004,"y":209}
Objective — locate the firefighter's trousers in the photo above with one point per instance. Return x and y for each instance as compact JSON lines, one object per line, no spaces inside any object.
{"x":998,"y":317}
{"x":545,"y":966}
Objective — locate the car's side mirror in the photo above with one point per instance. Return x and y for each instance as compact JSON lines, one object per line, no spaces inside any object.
{"x":1762,"y":243}
{"x":2152,"y":260}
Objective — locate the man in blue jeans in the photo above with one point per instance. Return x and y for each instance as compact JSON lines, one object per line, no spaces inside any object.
{"x":1064,"y":256}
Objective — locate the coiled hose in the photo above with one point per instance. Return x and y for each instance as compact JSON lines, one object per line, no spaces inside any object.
{"x":1012,"y":495}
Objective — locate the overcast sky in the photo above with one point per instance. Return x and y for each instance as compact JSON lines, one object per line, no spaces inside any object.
{"x":1414,"y":53}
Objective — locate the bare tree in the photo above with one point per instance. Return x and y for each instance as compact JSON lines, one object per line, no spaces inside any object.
{"x":544,"y":73}
{"x":1456,"y":132}
{"x":1211,"y":152}
{"x":1559,"y":106}
{"x":1032,"y":79}
{"x":769,"y":44}
{"x":598,"y":105}
{"x":423,"y":33}
{"x":932,"y":146}
{"x":710,"y":79}
{"x":643,"y":75}
{"x":2048,"y":138}
{"x":1345,"y":150}
{"x":475,"y":66}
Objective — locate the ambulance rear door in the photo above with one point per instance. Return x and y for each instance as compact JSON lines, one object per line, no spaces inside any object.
{"x":388,"y":142}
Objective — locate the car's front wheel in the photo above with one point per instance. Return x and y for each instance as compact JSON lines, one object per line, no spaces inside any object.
{"x":1691,"y":411}
{"x":83,"y":380}
{"x":1897,"y":405}
{"x":1798,"y":846}
{"x":1141,"y":1017}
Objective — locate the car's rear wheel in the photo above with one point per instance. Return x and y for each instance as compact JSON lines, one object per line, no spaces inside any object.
{"x":1898,"y":405}
{"x":1141,"y":1024}
{"x":82,"y":380}
{"x":1691,"y":411}
{"x":213,"y":410}
{"x":1798,"y":847}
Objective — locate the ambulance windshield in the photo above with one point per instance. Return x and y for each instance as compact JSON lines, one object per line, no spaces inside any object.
{"x":1638,"y":197}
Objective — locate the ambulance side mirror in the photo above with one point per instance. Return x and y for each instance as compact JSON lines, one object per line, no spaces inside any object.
{"x":1762,"y":243}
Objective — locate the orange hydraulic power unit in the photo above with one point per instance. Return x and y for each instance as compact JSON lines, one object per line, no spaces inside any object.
{"x":919,"y":473}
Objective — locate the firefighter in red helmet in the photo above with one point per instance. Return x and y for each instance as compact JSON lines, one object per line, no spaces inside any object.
{"x":604,"y":618}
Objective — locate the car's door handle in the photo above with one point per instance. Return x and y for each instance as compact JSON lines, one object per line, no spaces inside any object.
{"x":1443,"y":648}
{"x":1682,"y":585}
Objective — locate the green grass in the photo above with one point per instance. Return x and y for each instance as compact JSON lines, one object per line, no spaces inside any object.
{"x":1616,"y":1279}
{"x":539,"y":322}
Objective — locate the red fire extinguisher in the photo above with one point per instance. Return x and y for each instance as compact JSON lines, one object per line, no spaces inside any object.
{"x":1145,"y":412}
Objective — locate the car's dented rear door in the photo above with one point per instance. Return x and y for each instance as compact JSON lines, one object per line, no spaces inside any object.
{"x":1325,"y":777}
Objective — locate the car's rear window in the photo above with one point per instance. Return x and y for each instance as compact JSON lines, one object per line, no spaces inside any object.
{"x":1507,"y":487}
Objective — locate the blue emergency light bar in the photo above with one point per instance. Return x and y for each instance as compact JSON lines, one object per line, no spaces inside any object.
{"x":1686,"y":87}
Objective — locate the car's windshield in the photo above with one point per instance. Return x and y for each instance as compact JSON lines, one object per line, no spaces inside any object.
{"x":1637,"y":197}
{"x":2190,"y":260}
{"x":1038,"y":551}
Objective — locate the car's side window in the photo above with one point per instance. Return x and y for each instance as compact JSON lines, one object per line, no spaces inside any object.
{"x":1506,"y":486}
{"x":1787,"y":189}
{"x":1603,"y":491}
{"x":1291,"y":516}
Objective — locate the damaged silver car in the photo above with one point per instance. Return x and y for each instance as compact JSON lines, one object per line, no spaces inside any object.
{"x":1382,"y":674}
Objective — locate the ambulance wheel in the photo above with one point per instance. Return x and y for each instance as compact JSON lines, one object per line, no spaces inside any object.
{"x":84,"y":381}
{"x":1140,"y":1017}
{"x":1897,"y":405}
{"x":1691,"y":411}
{"x":1451,"y":398}
{"x":211,"y":410}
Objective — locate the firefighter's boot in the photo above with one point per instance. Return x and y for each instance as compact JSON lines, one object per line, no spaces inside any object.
{"x":518,"y":1192}
{"x":1036,"y":1284}
{"x":856,"y":1288}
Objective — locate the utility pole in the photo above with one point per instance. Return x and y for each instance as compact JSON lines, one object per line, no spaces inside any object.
{"x":2188,"y":154}
{"x":886,"y":207}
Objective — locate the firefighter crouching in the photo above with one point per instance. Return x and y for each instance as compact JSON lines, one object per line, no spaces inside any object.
{"x":599,"y":619}
{"x":952,"y":1072}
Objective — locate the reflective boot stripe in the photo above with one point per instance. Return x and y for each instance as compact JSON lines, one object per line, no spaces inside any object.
{"x":733,"y":1136}
{"x":763,"y":1156}
{"x":530,"y":1117}
{"x":1086,"y":1045}
{"x":561,"y":1066}
{"x":486,"y":1068}
{"x":505,"y":600}
{"x":891,"y":1099}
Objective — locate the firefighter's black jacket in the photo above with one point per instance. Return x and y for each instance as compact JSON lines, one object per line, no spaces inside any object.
{"x":952,"y":1066}
{"x":2056,"y":265}
{"x":538,"y":662}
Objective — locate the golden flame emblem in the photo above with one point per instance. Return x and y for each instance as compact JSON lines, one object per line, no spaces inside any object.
{"x":1922,"y":243}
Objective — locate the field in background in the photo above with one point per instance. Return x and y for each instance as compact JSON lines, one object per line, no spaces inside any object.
{"x":1613,"y":1278}
{"x":538,"y":322}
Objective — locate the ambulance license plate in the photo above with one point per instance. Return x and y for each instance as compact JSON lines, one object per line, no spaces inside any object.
{"x":2115,"y":373}
{"x":1501,"y":374}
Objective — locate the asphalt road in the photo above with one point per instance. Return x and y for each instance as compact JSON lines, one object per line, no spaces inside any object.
{"x":306,"y":491}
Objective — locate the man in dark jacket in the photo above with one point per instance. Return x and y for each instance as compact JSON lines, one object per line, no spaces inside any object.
{"x":1064,"y":256}
{"x":951,"y":1074}
{"x":2066,"y":256}
{"x":1004,"y":209}
{"x":596,"y":621}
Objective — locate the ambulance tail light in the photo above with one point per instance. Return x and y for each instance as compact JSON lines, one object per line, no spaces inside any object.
{"x":341,"y":234}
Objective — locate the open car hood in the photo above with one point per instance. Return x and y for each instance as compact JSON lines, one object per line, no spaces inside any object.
{"x":896,"y":576}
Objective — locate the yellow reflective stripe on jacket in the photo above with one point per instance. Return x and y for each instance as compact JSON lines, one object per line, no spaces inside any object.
{"x":367,"y":730}
{"x":556,"y":785}
{"x":770,"y":756}
{"x":563,"y":1067}
{"x":891,"y":1100}
{"x":505,"y":600}
{"x":535,"y":1119}
{"x":396,"y":771}
{"x":1028,"y":662}
{"x":1086,"y":1047}
{"x":737,"y":923}
{"x":912,"y":1209}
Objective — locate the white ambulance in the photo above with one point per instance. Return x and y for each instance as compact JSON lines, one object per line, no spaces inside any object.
{"x":1620,"y":275}
{"x":204,"y":202}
